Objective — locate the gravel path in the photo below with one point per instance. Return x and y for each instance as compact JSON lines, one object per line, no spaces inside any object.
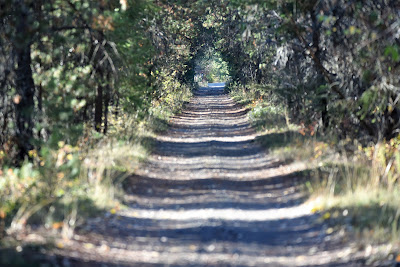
{"x":211,"y":196}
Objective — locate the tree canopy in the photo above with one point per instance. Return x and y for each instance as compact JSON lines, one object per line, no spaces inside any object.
{"x":67,"y":64}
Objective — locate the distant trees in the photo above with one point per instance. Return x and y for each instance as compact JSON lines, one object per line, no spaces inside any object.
{"x":210,"y":65}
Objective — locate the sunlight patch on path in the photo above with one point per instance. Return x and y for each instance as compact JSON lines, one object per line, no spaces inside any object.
{"x":228,"y":214}
{"x":210,"y":195}
{"x":177,"y":257}
{"x":207,"y":139}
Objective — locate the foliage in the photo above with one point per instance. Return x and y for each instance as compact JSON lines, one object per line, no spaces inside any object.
{"x":319,"y":57}
{"x":211,"y":67}
{"x":267,"y":112}
{"x":90,"y":58}
{"x":83,"y":85}
{"x":333,"y":65}
{"x":364,"y":197}
{"x":60,"y":187}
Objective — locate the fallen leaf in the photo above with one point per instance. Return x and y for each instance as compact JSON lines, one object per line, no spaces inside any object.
{"x":326,"y":215}
{"x":57,"y":225}
{"x":316,"y":209}
{"x":104,"y":248}
{"x":88,"y":245}
{"x":398,"y":258}
{"x":59,"y":244}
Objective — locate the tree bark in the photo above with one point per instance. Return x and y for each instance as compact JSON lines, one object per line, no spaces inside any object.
{"x":25,"y":87}
{"x":98,"y":109}
{"x":106,"y":105}
{"x":317,"y":52}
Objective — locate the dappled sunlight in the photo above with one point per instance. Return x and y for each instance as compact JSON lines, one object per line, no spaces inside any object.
{"x":199,"y":133}
{"x":208,"y":256}
{"x":211,"y":138}
{"x":229,"y":214}
{"x":210,"y":195}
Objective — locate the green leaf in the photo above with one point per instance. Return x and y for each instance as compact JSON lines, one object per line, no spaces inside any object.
{"x":393,"y":52}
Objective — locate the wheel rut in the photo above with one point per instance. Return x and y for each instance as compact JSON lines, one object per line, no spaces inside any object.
{"x":210,"y":195}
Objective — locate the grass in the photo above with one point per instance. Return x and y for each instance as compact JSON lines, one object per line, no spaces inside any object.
{"x":371,"y":208}
{"x":354,"y":187}
{"x":61,"y":187}
{"x":266,"y":111}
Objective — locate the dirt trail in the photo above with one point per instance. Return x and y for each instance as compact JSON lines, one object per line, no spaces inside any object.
{"x":211,"y":196}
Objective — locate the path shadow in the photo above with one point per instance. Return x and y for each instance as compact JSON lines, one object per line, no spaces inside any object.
{"x":260,"y":194}
{"x":201,"y":201}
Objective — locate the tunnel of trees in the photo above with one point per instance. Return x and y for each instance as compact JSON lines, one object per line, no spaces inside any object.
{"x":68,"y":68}
{"x":66,"y":64}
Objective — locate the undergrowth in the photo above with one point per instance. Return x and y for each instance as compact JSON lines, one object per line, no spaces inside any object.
{"x":266,"y":110}
{"x":352,"y":185}
{"x":61,"y":186}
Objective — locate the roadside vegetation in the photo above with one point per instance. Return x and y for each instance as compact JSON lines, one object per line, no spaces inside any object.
{"x":321,"y":80}
{"x":354,"y":187}
{"x":92,"y":85}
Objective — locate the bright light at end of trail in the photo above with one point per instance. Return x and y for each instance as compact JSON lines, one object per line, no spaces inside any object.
{"x":213,"y":85}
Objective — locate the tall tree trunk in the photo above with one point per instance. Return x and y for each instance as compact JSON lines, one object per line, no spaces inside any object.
{"x":98,"y":108}
{"x":317,"y":52}
{"x":25,"y":87}
{"x":5,"y":121}
{"x":106,"y":105}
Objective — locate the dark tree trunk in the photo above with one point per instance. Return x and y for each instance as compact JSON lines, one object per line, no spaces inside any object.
{"x":40,"y":99}
{"x":106,"y":105}
{"x":317,"y":52}
{"x":5,"y":122}
{"x":25,"y":87}
{"x":98,"y":109}
{"x":116,"y":106}
{"x":324,"y":113}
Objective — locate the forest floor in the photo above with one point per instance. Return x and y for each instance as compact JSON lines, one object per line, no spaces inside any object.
{"x":210,"y":195}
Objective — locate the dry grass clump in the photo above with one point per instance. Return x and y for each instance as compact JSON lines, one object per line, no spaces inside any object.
{"x":61,"y":186}
{"x":353,"y":185}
